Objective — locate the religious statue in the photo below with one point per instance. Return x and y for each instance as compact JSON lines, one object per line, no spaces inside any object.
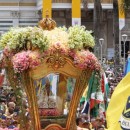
{"x":46,"y":97}
{"x":61,"y":92}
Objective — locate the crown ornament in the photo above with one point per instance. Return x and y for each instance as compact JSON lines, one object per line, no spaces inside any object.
{"x":47,"y":23}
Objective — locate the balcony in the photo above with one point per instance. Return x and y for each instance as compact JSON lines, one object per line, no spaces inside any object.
{"x":90,"y":1}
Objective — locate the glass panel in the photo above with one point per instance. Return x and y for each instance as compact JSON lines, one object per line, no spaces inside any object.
{"x":54,"y":93}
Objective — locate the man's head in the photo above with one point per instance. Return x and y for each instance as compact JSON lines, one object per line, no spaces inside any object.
{"x":15,"y":123}
{"x":86,"y":124}
{"x":94,"y":123}
{"x":79,"y":122}
{"x":11,"y":107}
{"x":99,"y":122}
{"x":4,"y":92}
{"x":84,"y":116}
{"x":12,"y":98}
{"x":2,"y":98}
{"x":3,"y":123}
{"x":15,"y":117}
{"x":8,"y":120}
{"x":100,"y":128}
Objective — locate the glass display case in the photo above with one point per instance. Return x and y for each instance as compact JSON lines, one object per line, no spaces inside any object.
{"x":54,"y":93}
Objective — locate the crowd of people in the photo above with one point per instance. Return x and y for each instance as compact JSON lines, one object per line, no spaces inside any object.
{"x":113,"y":79}
{"x":83,"y":123}
{"x":9,"y":110}
{"x":114,"y":76}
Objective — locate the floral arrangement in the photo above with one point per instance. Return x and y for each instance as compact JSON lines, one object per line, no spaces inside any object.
{"x":27,"y":47}
{"x":17,"y":38}
{"x":80,"y":38}
{"x":85,"y":59}
{"x":24,"y":60}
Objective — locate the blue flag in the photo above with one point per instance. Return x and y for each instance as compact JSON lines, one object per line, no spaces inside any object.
{"x":127,"y":67}
{"x":86,"y":108}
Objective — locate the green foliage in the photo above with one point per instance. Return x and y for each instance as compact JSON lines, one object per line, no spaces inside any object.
{"x":76,"y":37}
{"x":126,"y":4}
{"x":80,"y":38}
{"x":17,"y":38}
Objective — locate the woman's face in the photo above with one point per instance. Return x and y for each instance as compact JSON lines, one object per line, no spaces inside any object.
{"x":8,"y":120}
{"x":3,"y":124}
{"x":13,"y":99}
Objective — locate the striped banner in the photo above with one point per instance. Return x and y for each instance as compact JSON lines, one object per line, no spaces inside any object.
{"x":76,"y":12}
{"x":47,"y":6}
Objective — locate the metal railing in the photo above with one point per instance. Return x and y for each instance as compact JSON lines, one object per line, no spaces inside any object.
{"x":89,"y":1}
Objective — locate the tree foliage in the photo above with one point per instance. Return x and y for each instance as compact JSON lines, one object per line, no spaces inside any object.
{"x":126,"y":4}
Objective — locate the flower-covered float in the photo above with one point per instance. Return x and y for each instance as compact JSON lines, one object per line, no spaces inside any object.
{"x":38,"y":57}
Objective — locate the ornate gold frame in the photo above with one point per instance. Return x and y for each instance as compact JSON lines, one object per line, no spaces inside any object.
{"x":60,"y":64}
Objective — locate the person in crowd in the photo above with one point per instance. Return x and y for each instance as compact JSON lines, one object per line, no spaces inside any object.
{"x":86,"y":124}
{"x":79,"y":123}
{"x":3,"y":103}
{"x":100,"y":122}
{"x":3,"y":125}
{"x":100,"y":128}
{"x":14,"y":124}
{"x":95,"y":123}
{"x":82,"y":124}
{"x":12,"y":98}
{"x":1,"y":89}
{"x":15,"y":117}
{"x":2,"y":116}
{"x":8,"y":120}
{"x":10,"y":109}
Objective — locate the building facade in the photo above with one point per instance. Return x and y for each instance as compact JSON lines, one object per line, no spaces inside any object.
{"x":28,"y":12}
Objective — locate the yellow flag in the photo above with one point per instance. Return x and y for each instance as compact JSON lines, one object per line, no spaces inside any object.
{"x":85,"y":92}
{"x":121,"y":11}
{"x":117,"y":103}
{"x":47,"y":6}
{"x":121,"y":14}
{"x":76,"y":12}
